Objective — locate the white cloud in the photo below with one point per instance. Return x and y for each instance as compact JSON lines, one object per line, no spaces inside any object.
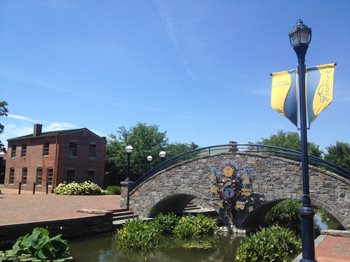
{"x":19,"y":117}
{"x":54,"y":126}
{"x":12,"y":131}
{"x":20,"y":125}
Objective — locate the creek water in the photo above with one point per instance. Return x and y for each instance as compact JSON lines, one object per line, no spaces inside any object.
{"x":220,"y":248}
{"x":104,"y":248}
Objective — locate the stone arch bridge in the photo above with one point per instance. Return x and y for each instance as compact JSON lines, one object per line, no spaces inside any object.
{"x":275,"y":173}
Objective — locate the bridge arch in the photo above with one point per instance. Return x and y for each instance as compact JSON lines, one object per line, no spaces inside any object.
{"x":274,"y":177}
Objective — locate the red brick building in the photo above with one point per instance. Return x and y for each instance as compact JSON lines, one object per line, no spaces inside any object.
{"x":54,"y":157}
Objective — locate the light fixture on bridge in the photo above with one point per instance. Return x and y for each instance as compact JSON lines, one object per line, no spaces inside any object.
{"x":300,"y":38}
{"x":162,"y":155}
{"x":128,"y":150}
{"x":149,"y":160}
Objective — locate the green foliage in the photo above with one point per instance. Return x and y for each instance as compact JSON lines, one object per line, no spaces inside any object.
{"x":145,"y":235}
{"x":339,"y":154}
{"x":85,"y":188}
{"x":270,"y":244}
{"x":195,"y":226}
{"x":3,"y":112}
{"x":286,"y":214}
{"x":179,"y":148}
{"x":138,"y":234}
{"x":38,"y":246}
{"x":166,"y":223}
{"x":113,"y":190}
{"x":290,"y":140}
{"x":146,"y":140}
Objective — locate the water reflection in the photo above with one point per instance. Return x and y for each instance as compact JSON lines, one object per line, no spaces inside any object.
{"x":104,"y":248}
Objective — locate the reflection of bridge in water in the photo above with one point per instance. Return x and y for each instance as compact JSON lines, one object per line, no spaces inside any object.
{"x":275,"y":174}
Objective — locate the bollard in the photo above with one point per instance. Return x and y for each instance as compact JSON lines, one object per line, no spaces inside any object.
{"x":34,"y":184}
{"x":47,"y":188}
{"x":19,"y":188}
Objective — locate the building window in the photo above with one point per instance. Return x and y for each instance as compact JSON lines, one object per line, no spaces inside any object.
{"x":92,"y":150}
{"x":70,"y":175}
{"x":13,"y":151}
{"x":46,"y":149}
{"x":39,"y":176}
{"x":24,"y":175}
{"x":12,"y":176}
{"x":49,"y":176}
{"x":72,"y":148}
{"x":91,"y":175}
{"x":24,"y":150}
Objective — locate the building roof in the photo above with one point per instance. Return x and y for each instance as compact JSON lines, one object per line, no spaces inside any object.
{"x":51,"y":133}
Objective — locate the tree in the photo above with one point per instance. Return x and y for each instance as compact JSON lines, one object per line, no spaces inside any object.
{"x":146,"y":140}
{"x":3,"y":112}
{"x":179,"y":148}
{"x":339,"y":154}
{"x":292,"y":141}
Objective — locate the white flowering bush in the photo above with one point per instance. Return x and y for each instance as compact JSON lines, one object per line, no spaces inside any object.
{"x":85,"y":188}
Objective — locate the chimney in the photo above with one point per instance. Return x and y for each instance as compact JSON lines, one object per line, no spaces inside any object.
{"x":37,"y":130}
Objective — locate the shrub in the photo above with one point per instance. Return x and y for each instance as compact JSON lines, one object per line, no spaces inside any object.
{"x":138,"y":234}
{"x":195,"y":226}
{"x":85,"y":188}
{"x":113,"y":190}
{"x":166,"y":223}
{"x":38,"y":246}
{"x":270,"y":244}
{"x":286,"y":214}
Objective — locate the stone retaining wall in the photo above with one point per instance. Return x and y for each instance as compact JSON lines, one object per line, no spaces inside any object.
{"x":69,"y":228}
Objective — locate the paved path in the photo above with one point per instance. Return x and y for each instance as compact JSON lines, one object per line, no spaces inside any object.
{"x":333,"y":249}
{"x":24,"y":208}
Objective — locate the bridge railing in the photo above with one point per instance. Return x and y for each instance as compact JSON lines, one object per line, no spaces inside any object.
{"x":243,"y":148}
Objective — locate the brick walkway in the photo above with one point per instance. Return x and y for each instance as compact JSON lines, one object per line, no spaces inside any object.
{"x":24,"y":208}
{"x":333,"y":249}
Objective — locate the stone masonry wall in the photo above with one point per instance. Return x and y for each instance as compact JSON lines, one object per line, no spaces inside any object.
{"x":273,"y":178}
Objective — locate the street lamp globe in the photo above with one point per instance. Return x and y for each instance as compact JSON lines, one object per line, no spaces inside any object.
{"x":149,"y":158}
{"x":162,"y":154}
{"x":128,"y":149}
{"x":300,"y":34}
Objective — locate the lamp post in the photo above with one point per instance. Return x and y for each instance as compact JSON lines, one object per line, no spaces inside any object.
{"x":300,"y":37}
{"x":149,"y":160}
{"x":2,"y":156}
{"x":162,"y":155}
{"x":128,"y":150}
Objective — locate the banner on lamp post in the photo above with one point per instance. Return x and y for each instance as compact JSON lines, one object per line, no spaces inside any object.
{"x":319,"y":92}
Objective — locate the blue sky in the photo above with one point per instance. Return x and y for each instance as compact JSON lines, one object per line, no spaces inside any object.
{"x":199,"y":69}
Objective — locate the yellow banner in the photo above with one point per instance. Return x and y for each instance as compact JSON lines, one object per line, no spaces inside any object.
{"x":320,"y":81}
{"x":283,"y":95}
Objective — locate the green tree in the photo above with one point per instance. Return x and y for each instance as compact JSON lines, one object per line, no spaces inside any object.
{"x":339,"y":154}
{"x":3,"y":112}
{"x":146,"y":140}
{"x":179,"y":148}
{"x":290,"y":140}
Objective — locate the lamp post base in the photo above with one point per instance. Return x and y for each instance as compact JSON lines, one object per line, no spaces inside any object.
{"x":307,"y":236}
{"x":124,"y":194}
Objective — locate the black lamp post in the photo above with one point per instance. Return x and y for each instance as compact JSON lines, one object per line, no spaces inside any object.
{"x":149,"y":160}
{"x":128,"y":151}
{"x":2,"y":156}
{"x":162,"y":155}
{"x":300,"y":37}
